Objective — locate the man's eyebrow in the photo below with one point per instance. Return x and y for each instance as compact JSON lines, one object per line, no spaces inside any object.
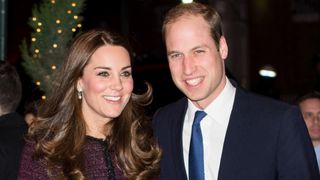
{"x":194,"y":48}
{"x":200,"y":46}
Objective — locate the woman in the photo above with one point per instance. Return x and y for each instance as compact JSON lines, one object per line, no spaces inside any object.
{"x":92,"y":127}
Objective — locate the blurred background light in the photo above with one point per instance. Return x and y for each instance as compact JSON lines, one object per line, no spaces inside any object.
{"x":268,"y":71}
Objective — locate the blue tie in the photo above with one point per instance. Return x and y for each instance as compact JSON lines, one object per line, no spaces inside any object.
{"x":196,"y":164}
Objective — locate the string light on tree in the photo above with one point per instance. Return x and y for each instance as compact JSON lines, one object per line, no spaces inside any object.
{"x":187,"y":1}
{"x":54,"y":23}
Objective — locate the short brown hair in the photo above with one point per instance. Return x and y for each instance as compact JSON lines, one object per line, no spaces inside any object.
{"x":10,"y":88}
{"x":310,"y":95}
{"x":209,"y":14}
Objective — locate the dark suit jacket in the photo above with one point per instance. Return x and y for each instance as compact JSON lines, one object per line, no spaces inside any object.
{"x":12,"y":131}
{"x":265,"y":140}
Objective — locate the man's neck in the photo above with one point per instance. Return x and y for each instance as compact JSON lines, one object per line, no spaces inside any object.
{"x":316,"y":143}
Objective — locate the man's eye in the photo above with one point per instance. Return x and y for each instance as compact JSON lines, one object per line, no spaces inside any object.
{"x":307,"y":115}
{"x":199,"y":51}
{"x":126,"y":74}
{"x":103,"y":73}
{"x":174,"y":56}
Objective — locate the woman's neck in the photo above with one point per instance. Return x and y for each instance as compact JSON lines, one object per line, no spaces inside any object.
{"x":96,"y":132}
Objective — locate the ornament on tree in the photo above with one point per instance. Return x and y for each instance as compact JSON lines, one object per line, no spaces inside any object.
{"x":54,"y":23}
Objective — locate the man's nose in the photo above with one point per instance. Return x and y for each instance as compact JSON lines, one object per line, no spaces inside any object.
{"x":188,"y":65}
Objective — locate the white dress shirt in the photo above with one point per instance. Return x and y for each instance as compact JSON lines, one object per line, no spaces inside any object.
{"x":317,"y":150}
{"x":213,"y":127}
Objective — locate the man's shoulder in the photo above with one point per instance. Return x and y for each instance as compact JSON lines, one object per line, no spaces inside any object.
{"x":261,"y":100}
{"x":253,"y":103}
{"x":12,"y":128}
{"x":173,"y":107}
{"x":12,"y":120}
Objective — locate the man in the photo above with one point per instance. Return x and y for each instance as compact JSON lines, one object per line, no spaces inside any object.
{"x":310,"y":107}
{"x":241,"y":136}
{"x":12,"y":125}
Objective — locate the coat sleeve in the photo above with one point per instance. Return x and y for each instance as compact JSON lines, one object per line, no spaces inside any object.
{"x":295,"y":153}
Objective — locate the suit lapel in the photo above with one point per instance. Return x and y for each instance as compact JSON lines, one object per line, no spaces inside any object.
{"x":177,"y":143}
{"x":237,"y":125}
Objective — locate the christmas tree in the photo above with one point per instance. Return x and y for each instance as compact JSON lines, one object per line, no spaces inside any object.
{"x":54,"y":23}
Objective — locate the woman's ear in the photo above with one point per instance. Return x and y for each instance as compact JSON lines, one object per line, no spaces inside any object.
{"x":223,"y":48}
{"x":79,"y":85}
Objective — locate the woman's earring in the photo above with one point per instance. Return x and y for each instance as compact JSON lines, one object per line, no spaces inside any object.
{"x":79,"y":94}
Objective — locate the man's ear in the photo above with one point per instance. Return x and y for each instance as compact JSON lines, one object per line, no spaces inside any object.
{"x":223,"y":47}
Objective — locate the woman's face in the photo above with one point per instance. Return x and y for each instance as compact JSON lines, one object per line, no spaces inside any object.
{"x":106,"y":84}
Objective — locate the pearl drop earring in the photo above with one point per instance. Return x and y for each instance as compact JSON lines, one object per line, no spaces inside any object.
{"x":79,"y":94}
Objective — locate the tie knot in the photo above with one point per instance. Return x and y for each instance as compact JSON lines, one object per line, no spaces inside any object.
{"x":199,"y":116}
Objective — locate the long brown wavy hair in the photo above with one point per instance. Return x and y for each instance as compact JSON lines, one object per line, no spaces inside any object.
{"x":60,"y":130}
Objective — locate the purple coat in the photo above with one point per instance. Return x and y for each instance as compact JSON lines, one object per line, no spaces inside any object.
{"x":94,"y":159}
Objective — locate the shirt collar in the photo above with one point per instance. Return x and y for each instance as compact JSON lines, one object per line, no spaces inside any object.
{"x":220,"y":108}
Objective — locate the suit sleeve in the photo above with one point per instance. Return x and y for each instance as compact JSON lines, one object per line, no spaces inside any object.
{"x":296,"y":156}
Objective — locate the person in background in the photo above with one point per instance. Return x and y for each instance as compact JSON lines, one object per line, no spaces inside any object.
{"x":12,"y":126}
{"x":30,"y":111}
{"x":92,"y":126}
{"x":219,"y":130}
{"x":310,"y":107}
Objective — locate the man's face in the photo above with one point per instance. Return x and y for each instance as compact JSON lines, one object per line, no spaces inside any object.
{"x":195,"y":62}
{"x":310,"y":109}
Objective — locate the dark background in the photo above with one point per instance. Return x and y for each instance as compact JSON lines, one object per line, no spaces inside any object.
{"x":284,"y":34}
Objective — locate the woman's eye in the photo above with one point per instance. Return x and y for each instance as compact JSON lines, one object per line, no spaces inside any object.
{"x":103,"y":73}
{"x":126,"y":73}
